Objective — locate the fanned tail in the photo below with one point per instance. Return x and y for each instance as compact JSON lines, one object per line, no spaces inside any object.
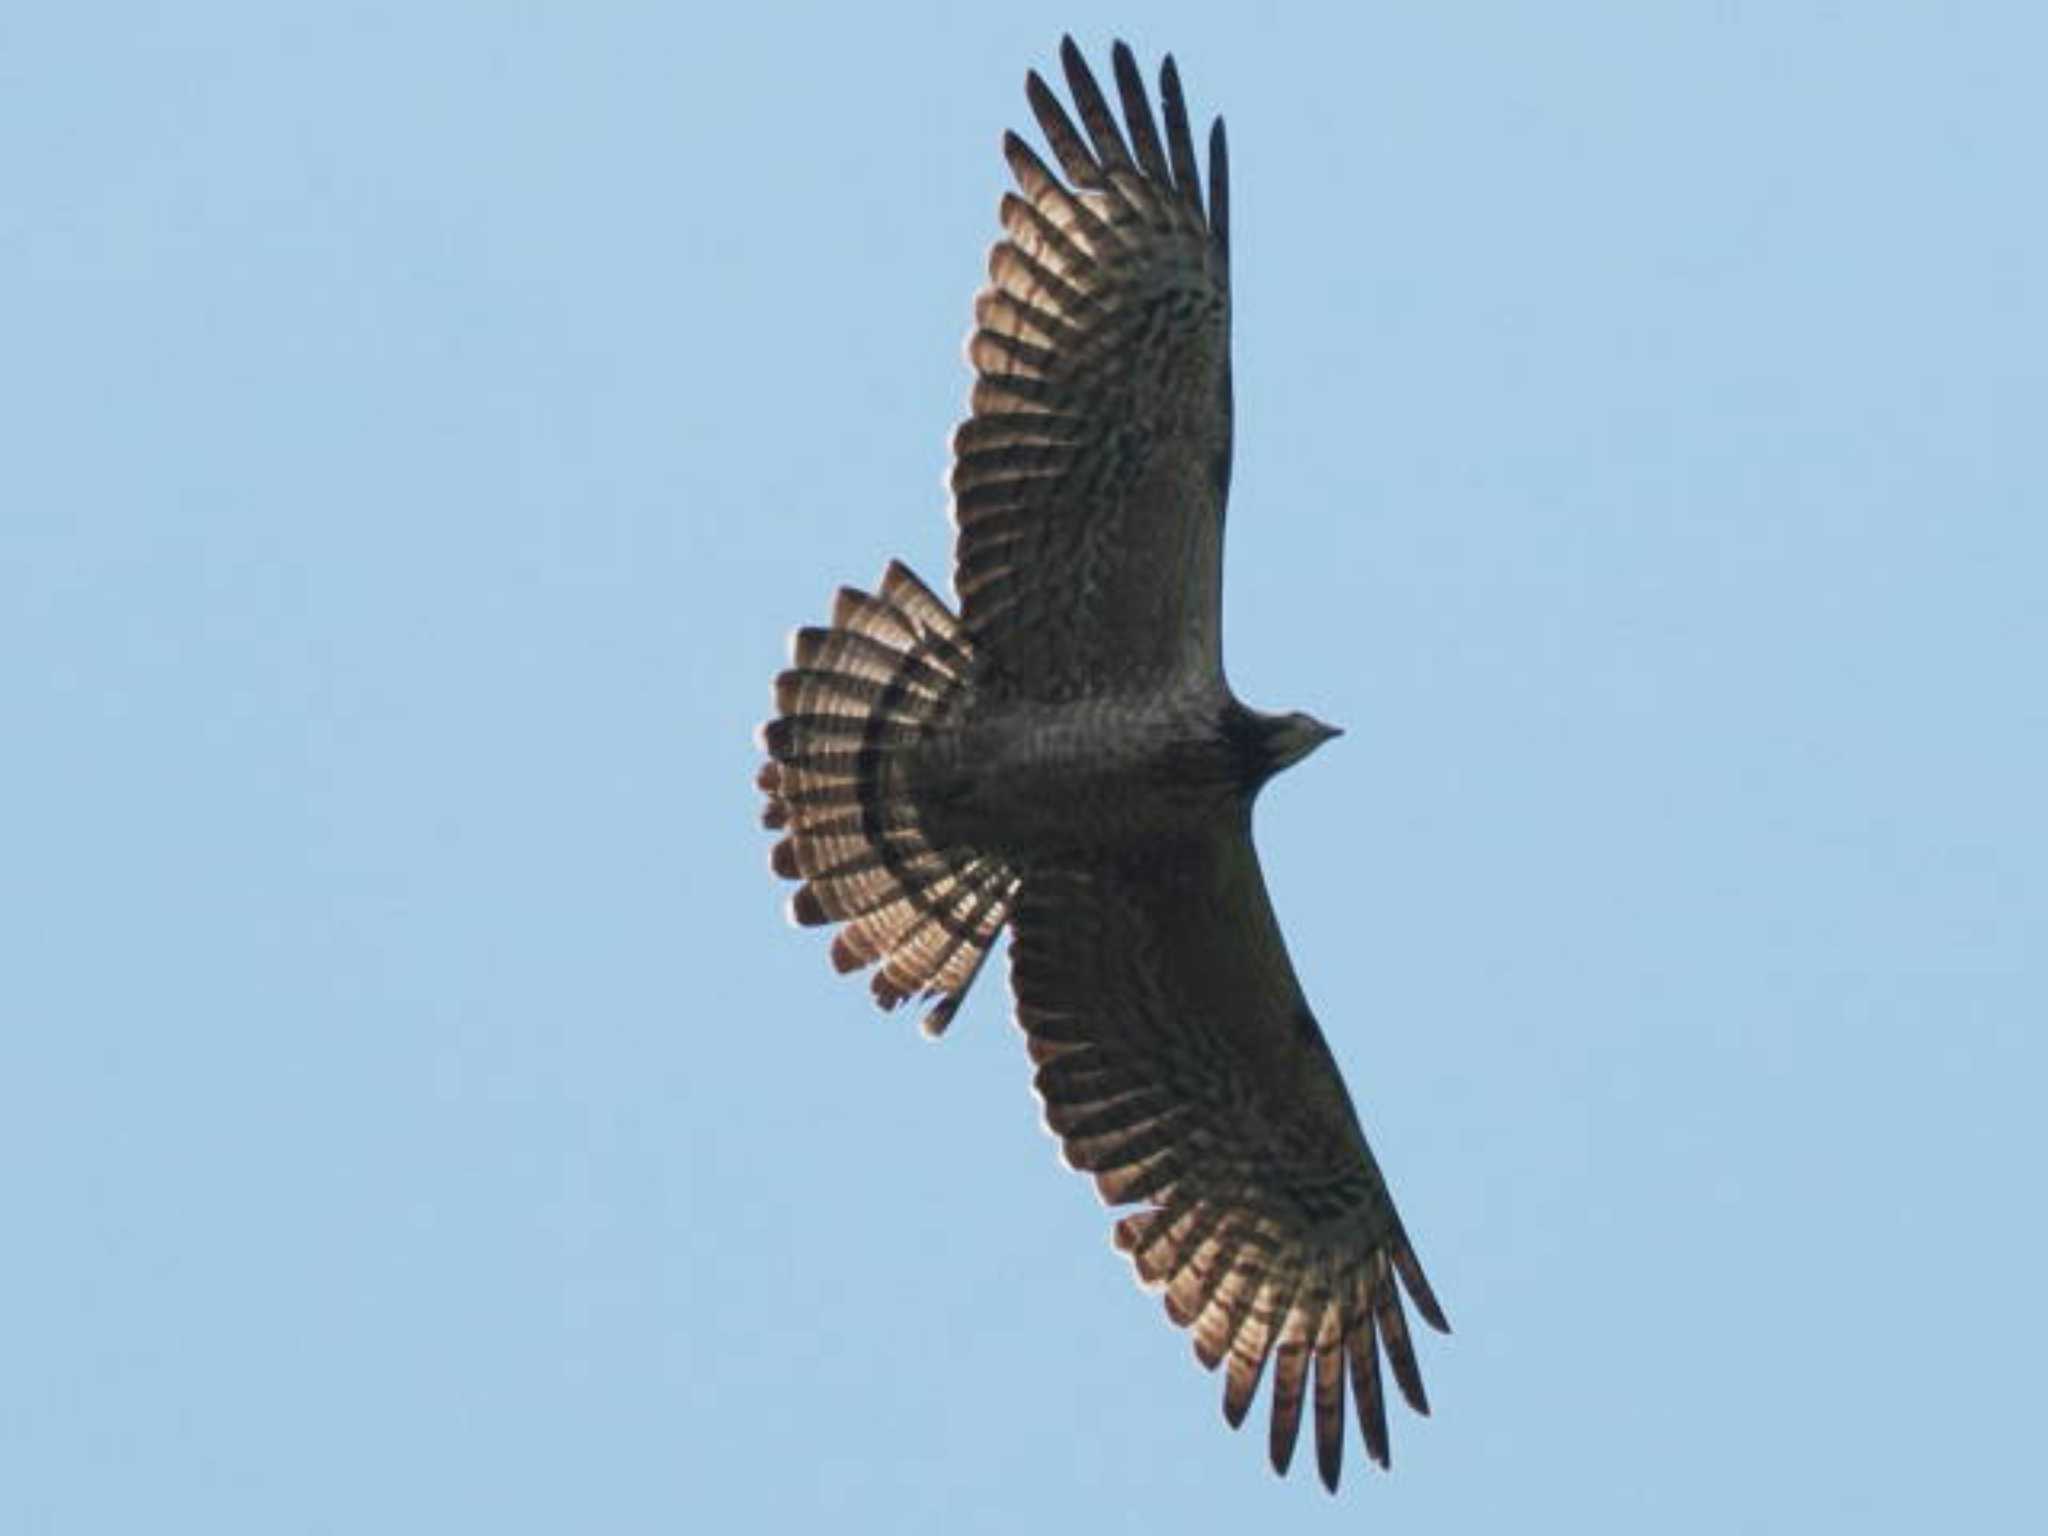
{"x":864,"y":696}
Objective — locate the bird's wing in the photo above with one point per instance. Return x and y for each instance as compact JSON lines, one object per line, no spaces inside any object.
{"x":1179,"y":1064}
{"x":1089,"y":481}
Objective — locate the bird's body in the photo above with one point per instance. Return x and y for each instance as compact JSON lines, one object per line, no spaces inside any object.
{"x":1034,"y":779}
{"x":1064,"y":758}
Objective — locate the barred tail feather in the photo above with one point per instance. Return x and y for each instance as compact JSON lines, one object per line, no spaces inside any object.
{"x":863,"y":696}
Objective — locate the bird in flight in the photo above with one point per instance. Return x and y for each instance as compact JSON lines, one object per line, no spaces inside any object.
{"x":1064,"y":758}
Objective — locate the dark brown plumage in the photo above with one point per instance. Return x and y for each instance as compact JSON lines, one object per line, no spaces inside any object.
{"x":1066,"y":758}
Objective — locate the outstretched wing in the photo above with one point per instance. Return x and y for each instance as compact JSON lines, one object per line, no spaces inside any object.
{"x":1180,"y":1065}
{"x":1089,"y":482}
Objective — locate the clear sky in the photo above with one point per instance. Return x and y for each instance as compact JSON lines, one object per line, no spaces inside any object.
{"x":423,"y":425}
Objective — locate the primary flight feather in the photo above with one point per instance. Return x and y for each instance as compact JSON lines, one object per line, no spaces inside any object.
{"x":1065,"y":758}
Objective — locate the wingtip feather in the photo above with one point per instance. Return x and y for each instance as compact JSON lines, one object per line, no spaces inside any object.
{"x":1418,"y":1287}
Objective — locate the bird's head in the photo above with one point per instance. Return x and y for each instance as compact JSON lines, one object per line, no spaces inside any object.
{"x":1267,"y":743}
{"x":1290,"y":738}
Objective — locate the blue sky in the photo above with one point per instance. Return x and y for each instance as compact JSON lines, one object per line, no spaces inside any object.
{"x":424,"y":425}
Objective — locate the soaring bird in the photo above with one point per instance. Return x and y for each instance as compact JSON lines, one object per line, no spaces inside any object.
{"x":1064,"y":758}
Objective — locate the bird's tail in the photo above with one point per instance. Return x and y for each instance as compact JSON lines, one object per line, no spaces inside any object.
{"x":864,"y":696}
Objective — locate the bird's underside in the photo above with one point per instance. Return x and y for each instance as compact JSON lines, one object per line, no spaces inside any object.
{"x":1064,"y":758}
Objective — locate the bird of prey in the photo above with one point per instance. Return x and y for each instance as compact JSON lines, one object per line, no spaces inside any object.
{"x":1063,"y":757}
